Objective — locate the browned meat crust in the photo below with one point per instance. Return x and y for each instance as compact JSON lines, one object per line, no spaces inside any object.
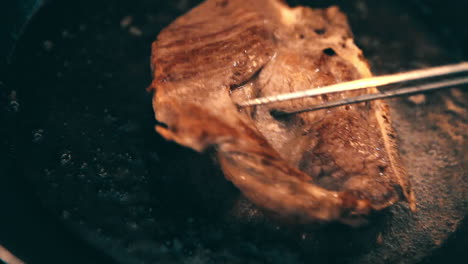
{"x":336,"y":164}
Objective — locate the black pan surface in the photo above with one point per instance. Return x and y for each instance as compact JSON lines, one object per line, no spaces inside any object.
{"x":79,"y":138}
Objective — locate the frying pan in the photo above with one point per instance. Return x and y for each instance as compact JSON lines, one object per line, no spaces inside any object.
{"x":85,"y":179}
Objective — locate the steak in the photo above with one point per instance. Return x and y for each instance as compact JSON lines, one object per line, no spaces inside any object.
{"x":335,"y":164}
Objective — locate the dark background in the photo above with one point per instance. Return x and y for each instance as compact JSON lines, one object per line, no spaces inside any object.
{"x":25,"y":226}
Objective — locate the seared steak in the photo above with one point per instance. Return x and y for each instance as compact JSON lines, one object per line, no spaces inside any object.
{"x":335,"y":164}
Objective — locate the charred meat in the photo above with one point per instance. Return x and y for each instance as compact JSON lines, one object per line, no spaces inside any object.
{"x":336,"y":164}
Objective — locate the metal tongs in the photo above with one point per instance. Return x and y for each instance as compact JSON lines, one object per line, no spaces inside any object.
{"x":416,"y":75}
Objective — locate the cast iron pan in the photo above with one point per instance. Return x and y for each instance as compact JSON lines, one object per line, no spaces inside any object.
{"x":85,"y":179}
